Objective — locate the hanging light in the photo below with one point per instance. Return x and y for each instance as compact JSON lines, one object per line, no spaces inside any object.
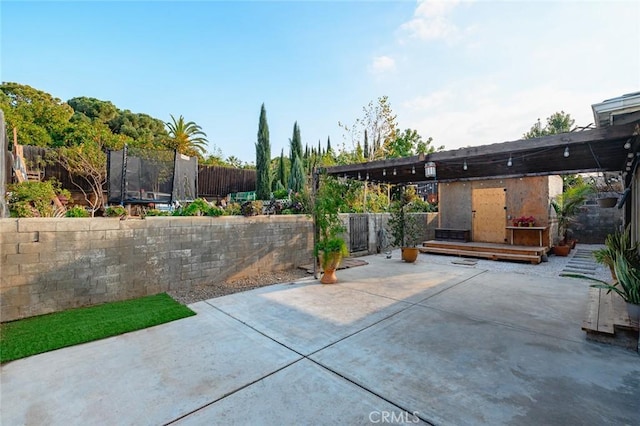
{"x":464,"y":166}
{"x":345,"y":175}
{"x":430,"y":169}
{"x":359,"y":177}
{"x":627,"y":144}
{"x":394,"y":171}
{"x":566,"y":152}
{"x":630,"y":155}
{"x":413,"y":170}
{"x":367,"y":175}
{"x":509,"y":163}
{"x":384,"y":172}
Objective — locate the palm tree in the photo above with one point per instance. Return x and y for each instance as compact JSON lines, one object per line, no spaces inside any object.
{"x":187,"y":137}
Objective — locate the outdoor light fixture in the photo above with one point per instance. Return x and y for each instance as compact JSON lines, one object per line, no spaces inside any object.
{"x":359,"y":177}
{"x":566,"y":152}
{"x":509,"y":163}
{"x":367,"y":175}
{"x":413,"y":170}
{"x":430,"y":169}
{"x":464,"y":166}
{"x":345,"y":175}
{"x":627,"y":145}
{"x":630,"y":155}
{"x":384,"y":172}
{"x":394,"y":171}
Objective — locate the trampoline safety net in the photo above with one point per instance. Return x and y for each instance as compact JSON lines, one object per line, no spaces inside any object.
{"x":137,"y":176}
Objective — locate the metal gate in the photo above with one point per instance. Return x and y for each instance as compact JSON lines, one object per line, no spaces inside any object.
{"x":358,"y":232}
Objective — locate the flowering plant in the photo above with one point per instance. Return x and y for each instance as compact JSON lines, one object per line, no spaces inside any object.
{"x":524,"y":221}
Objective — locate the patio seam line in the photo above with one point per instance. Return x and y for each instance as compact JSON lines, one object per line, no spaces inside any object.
{"x":208,"y":404}
{"x":312,"y":360}
{"x":426,"y":298}
{"x":370,"y":391}
{"x":511,"y":326}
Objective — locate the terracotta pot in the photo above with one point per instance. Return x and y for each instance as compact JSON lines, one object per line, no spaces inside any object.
{"x":562,"y":250}
{"x":409,"y":254}
{"x":329,"y":270}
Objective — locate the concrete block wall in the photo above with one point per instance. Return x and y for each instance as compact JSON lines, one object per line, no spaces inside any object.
{"x":53,"y":264}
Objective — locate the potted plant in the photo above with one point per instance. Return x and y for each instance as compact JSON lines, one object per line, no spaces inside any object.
{"x":627,"y":284}
{"x":330,"y":247}
{"x":618,"y":243}
{"x":567,"y":205}
{"x":405,"y":229}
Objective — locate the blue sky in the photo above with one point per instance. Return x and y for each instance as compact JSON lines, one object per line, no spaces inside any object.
{"x":465,"y":73}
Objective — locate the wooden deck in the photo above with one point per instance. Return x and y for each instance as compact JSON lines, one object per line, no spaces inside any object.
{"x":607,"y":320}
{"x":492,"y":251}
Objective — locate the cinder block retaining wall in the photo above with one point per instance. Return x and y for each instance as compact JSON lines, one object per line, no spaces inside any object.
{"x":49,"y":265}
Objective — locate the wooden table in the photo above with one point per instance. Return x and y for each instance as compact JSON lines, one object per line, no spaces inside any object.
{"x":540,"y":229}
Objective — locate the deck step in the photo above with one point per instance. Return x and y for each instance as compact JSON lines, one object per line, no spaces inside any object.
{"x":494,"y":255}
{"x":607,"y":321}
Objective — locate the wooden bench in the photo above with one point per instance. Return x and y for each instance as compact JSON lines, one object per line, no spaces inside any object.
{"x":448,"y":234}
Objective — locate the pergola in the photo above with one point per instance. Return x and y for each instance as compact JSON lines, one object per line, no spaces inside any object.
{"x":608,"y":149}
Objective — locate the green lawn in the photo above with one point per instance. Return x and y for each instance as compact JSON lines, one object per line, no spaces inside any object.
{"x":30,"y":336}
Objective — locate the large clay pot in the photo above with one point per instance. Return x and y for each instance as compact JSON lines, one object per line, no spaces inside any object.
{"x":329,"y":268}
{"x":409,"y":254}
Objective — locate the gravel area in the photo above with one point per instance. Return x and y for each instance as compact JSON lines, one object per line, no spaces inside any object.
{"x":552,"y":268}
{"x":217,"y":289}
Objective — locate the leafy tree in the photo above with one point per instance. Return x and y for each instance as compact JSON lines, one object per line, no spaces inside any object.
{"x":410,"y":143}
{"x":263,"y":158}
{"x":86,"y":163}
{"x":558,"y":122}
{"x":92,"y":109}
{"x":38,"y":117}
{"x":146,"y":131}
{"x":187,"y":137}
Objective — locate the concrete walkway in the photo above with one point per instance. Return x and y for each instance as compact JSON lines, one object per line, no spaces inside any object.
{"x":392,"y":343}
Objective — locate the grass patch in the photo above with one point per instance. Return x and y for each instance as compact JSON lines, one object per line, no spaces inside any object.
{"x":30,"y":336}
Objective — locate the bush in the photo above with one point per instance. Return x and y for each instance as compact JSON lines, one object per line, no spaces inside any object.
{"x":115,"y":211}
{"x":156,"y":212}
{"x":251,"y":208}
{"x":35,"y":199}
{"x":233,"y":209}
{"x":280,"y":194}
{"x":77,"y":211}
{"x":215,"y":211}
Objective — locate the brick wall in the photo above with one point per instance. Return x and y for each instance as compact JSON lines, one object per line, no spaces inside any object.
{"x":49,"y":265}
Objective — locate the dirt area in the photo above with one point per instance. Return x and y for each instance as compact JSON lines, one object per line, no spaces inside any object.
{"x":217,"y":289}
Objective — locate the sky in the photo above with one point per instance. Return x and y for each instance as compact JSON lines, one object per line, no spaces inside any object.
{"x":465,"y":73}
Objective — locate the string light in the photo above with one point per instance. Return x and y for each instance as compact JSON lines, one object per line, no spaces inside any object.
{"x":566,"y":152}
{"x":384,"y":172}
{"x":413,"y":170}
{"x":464,"y":166}
{"x":367,"y":175}
{"x":394,"y":171}
{"x":359,"y":177}
{"x":627,"y":145}
{"x":509,"y":163}
{"x":630,"y":155}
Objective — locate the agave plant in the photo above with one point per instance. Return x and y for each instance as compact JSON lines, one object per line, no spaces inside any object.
{"x":628,"y":283}
{"x":618,"y":243}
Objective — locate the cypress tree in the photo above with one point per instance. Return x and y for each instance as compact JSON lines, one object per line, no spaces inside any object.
{"x":263,"y":158}
{"x":296,"y":178}
{"x":282,"y":173}
{"x":328,"y":144}
{"x":366,"y":146}
{"x":296,"y":143}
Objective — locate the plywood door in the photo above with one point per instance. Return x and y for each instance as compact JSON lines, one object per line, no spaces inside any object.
{"x":489,"y":215}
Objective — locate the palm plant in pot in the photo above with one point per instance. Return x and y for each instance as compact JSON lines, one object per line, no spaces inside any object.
{"x":566,"y":206}
{"x":618,"y":243}
{"x":330,"y":246}
{"x":627,"y":284}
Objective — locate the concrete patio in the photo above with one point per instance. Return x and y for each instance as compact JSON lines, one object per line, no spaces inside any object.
{"x":392,"y":343}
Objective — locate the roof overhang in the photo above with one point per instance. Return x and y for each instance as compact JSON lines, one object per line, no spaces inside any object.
{"x":611,"y":149}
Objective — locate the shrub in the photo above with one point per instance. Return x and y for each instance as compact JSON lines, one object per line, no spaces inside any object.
{"x":77,"y":211}
{"x":35,"y":199}
{"x":233,"y":209}
{"x":114,"y":211}
{"x":215,"y":211}
{"x":156,"y":212}
{"x":280,"y":194}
